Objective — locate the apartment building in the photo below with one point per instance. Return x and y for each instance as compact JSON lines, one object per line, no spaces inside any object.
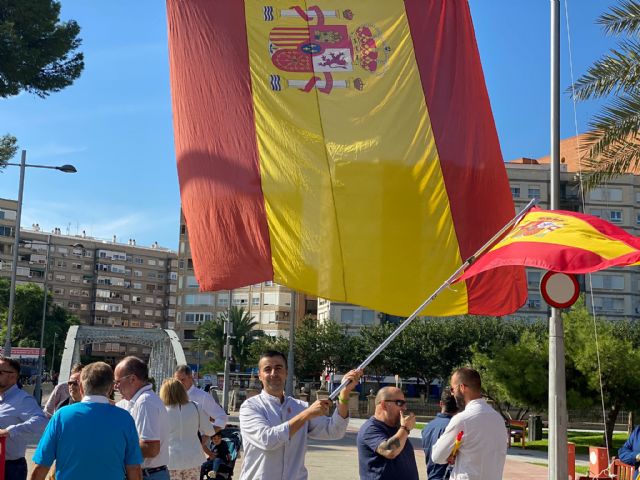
{"x":8,"y":210}
{"x":104,"y":283}
{"x":268,"y":303}
{"x":353,"y":317}
{"x":616,"y":291}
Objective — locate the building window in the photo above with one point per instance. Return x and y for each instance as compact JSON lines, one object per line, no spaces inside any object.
{"x":604,"y":194}
{"x":533,"y":278}
{"x":515,"y":192}
{"x":534,"y":301}
{"x":533,"y":192}
{"x":346,"y":315}
{"x":615,"y":216}
{"x":367,"y":317}
{"x":608,"y":282}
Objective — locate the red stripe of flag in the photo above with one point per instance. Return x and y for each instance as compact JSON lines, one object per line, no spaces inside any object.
{"x":467,"y":142}
{"x":214,"y":125}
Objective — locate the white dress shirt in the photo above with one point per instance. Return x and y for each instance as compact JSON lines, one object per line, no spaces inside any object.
{"x":269,"y":453}
{"x":484,"y":443}
{"x":95,"y":399}
{"x":185,"y":450}
{"x":208,"y":405}
{"x":152,"y":423}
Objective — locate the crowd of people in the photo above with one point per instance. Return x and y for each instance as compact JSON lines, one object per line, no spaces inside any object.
{"x":86,"y":434}
{"x":176,"y":434}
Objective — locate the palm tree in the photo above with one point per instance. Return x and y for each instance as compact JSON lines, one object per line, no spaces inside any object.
{"x":613,"y":145}
{"x":244,"y":332}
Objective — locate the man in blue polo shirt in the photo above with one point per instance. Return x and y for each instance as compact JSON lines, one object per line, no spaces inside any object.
{"x":432,"y":431}
{"x":91,"y":439}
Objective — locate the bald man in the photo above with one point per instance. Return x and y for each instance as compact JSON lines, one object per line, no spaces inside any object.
{"x":384,"y":451}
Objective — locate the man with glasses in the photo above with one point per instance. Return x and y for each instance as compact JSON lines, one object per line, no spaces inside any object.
{"x":20,"y":418}
{"x":384,"y":450}
{"x":483,"y":450}
{"x":73,"y":394}
{"x":215,"y":412}
{"x":149,"y":415}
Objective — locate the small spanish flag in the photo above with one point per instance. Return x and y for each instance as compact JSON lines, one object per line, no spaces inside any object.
{"x":560,"y":241}
{"x":344,"y":148}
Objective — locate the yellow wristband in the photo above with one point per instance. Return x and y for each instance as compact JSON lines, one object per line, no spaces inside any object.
{"x":343,"y":401}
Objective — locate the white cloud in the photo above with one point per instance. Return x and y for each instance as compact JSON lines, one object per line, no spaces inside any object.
{"x":53,"y":150}
{"x":102,"y":222}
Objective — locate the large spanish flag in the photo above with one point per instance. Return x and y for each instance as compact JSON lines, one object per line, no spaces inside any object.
{"x":344,"y":148}
{"x":560,"y":241}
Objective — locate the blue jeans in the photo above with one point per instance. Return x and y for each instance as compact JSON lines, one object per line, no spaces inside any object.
{"x":161,"y":475}
{"x":15,"y":469}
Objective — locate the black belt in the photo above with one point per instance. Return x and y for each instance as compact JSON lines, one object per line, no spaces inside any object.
{"x":16,"y":461}
{"x":149,"y":471}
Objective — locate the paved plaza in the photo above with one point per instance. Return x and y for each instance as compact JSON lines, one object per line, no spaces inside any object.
{"x":339,"y":459}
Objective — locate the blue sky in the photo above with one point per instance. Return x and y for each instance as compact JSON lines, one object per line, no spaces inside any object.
{"x":114,"y":123}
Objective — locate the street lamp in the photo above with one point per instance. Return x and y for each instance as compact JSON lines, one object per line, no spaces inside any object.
{"x":53,"y":354}
{"x":16,"y":242}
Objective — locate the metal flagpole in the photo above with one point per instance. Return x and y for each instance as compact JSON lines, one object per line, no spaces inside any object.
{"x":228,"y":331}
{"x":558,"y":466}
{"x":292,"y":337}
{"x":433,"y":296}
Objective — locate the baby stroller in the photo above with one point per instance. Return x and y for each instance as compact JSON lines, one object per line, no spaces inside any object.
{"x":231,"y":436}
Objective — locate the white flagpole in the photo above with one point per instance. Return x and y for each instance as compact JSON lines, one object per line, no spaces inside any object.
{"x":558,"y":466}
{"x":433,"y":296}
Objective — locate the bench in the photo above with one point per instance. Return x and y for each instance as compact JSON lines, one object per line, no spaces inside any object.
{"x":517,"y":429}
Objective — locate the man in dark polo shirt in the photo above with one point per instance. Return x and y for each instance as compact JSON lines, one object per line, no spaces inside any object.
{"x":384,"y":451}
{"x":432,"y":431}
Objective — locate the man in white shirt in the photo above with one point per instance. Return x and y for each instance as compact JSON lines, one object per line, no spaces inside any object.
{"x":218,"y":416}
{"x":483,"y":450}
{"x":275,"y":427}
{"x":149,"y":415}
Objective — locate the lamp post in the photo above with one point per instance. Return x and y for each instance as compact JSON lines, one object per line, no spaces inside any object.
{"x":53,"y":354}
{"x":14,"y":266}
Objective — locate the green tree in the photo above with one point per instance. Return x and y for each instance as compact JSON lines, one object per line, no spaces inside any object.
{"x":38,"y":52}
{"x":210,"y":335}
{"x":8,"y":148}
{"x":319,"y":345}
{"x":613,"y":145}
{"x":617,"y":357}
{"x":25,"y":331}
{"x":264,"y":343}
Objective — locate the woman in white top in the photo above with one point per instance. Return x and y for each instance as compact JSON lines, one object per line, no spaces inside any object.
{"x":186,"y":419}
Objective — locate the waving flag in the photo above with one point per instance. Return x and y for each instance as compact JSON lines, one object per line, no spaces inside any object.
{"x":344,"y":148}
{"x":560,"y":241}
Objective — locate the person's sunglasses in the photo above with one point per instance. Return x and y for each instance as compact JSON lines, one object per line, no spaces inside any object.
{"x":399,"y":403}
{"x":72,"y":383}
{"x":7,"y":372}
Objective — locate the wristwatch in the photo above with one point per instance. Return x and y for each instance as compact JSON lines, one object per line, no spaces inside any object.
{"x":405,"y":428}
